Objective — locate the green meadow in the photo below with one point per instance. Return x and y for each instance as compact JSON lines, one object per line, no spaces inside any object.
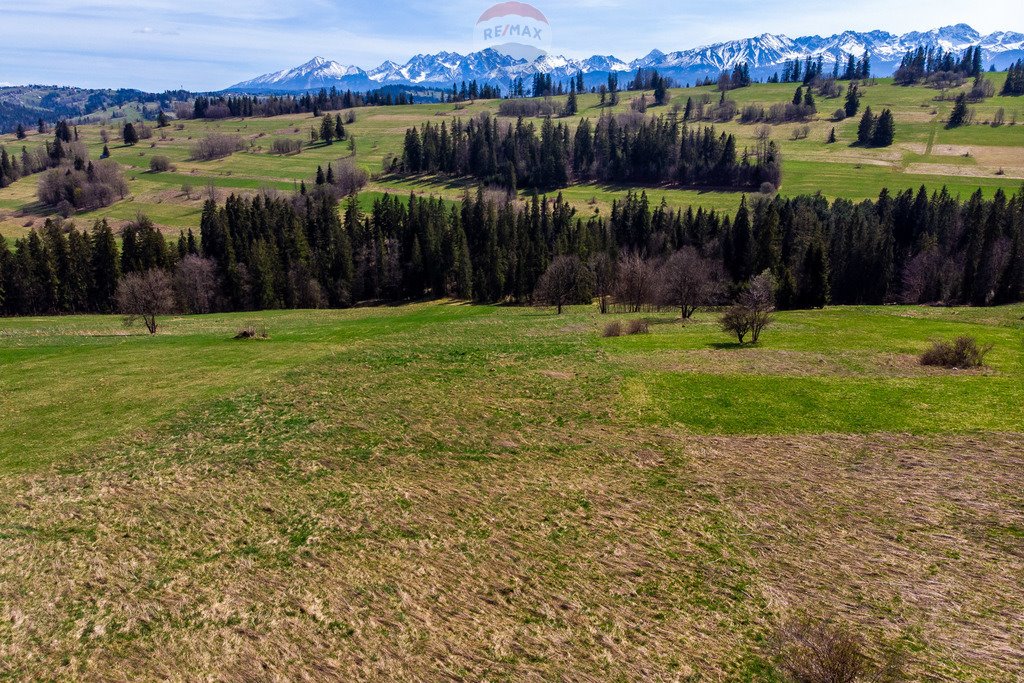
{"x":501,"y":492}
{"x":925,"y":153}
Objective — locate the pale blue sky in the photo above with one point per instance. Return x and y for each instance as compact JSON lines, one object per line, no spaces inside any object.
{"x":200,"y":45}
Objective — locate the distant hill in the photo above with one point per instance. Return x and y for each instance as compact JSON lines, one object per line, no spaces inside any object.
{"x":26,"y":104}
{"x":765,"y":54}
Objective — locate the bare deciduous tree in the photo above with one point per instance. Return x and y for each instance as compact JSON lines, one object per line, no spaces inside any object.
{"x":145,"y":295}
{"x":565,"y":282}
{"x":814,"y":651}
{"x":752,"y":312}
{"x":688,"y":281}
{"x":635,"y":285}
{"x":195,"y":284}
{"x":603,"y":268}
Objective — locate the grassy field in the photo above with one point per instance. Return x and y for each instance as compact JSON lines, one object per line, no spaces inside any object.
{"x":490,"y":493}
{"x":925,"y":153}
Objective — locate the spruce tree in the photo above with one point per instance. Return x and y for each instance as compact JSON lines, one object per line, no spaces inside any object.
{"x":571,"y":105}
{"x":885,"y":130}
{"x":20,"y":132}
{"x":866,"y":129}
{"x":960,"y":114}
{"x":129,"y":135}
{"x":852,"y":100}
{"x":327,"y":130}
{"x":832,"y":136}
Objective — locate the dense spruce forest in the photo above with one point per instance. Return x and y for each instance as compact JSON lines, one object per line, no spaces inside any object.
{"x":629,"y":148}
{"x":304,"y":251}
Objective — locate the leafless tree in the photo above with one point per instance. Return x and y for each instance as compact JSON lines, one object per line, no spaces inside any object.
{"x":603,"y":268}
{"x":565,"y":282}
{"x":195,"y":284}
{"x":635,"y":285}
{"x":145,"y":295}
{"x":216,"y":146}
{"x":814,"y":651}
{"x":752,"y":312}
{"x":349,"y":178}
{"x":688,"y":281}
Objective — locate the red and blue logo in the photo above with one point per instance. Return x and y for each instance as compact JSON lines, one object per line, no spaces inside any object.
{"x":514,"y":28}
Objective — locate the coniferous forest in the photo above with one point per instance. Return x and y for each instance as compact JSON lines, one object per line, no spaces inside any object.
{"x":305,"y":251}
{"x":630,"y":148}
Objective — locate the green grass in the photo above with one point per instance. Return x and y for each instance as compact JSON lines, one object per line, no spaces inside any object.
{"x":502,"y":493}
{"x":809,"y":165}
{"x":71,"y":382}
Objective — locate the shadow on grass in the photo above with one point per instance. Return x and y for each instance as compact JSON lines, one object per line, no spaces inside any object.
{"x":730,"y":346}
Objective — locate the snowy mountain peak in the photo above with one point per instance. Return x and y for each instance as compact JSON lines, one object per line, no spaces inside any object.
{"x":764,"y":54}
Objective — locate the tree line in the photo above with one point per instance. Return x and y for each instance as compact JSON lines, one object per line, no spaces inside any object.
{"x":306,"y":251}
{"x":628,"y":148}
{"x":1014,"y":84}
{"x":246,"y":106}
{"x":921,"y":64}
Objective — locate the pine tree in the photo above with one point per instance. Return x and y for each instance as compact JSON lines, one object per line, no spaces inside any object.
{"x":961,"y":114}
{"x":339,"y":128}
{"x":852,"y":100}
{"x":832,"y":136}
{"x":798,"y":96}
{"x":327,"y":130}
{"x":129,"y":135}
{"x":866,"y":129}
{"x":20,"y":132}
{"x":571,"y":105}
{"x":885,"y":130}
{"x":105,"y":266}
{"x":161,"y":120}
{"x":809,"y":100}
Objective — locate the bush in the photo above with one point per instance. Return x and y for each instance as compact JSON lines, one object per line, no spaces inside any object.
{"x":216,"y":146}
{"x":285,"y":146}
{"x":813,"y":651}
{"x":160,"y":164}
{"x":638,"y":327}
{"x":613,"y":329}
{"x":253,"y":332}
{"x":964,"y":353}
{"x":101,"y":184}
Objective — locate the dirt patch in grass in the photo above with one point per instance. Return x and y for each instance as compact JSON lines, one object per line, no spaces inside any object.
{"x":978,"y":171}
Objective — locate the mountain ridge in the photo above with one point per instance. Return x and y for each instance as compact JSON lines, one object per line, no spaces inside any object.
{"x":764,"y":53}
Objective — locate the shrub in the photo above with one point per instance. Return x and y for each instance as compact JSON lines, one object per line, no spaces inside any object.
{"x":613,"y":329}
{"x":160,"y":164}
{"x":252,"y":331}
{"x":638,"y":327}
{"x":814,"y":651}
{"x":101,"y":184}
{"x":285,"y":146}
{"x":963,"y":353}
{"x":216,"y":146}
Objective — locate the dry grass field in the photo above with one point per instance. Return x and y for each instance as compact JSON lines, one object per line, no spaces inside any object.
{"x":450,"y":492}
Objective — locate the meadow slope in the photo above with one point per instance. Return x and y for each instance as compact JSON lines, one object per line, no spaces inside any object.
{"x":491,"y":493}
{"x":925,"y":153}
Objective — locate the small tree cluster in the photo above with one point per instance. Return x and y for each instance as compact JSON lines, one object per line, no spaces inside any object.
{"x":876,"y":132}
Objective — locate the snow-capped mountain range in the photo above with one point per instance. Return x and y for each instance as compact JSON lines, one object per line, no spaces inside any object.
{"x":765,"y":54}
